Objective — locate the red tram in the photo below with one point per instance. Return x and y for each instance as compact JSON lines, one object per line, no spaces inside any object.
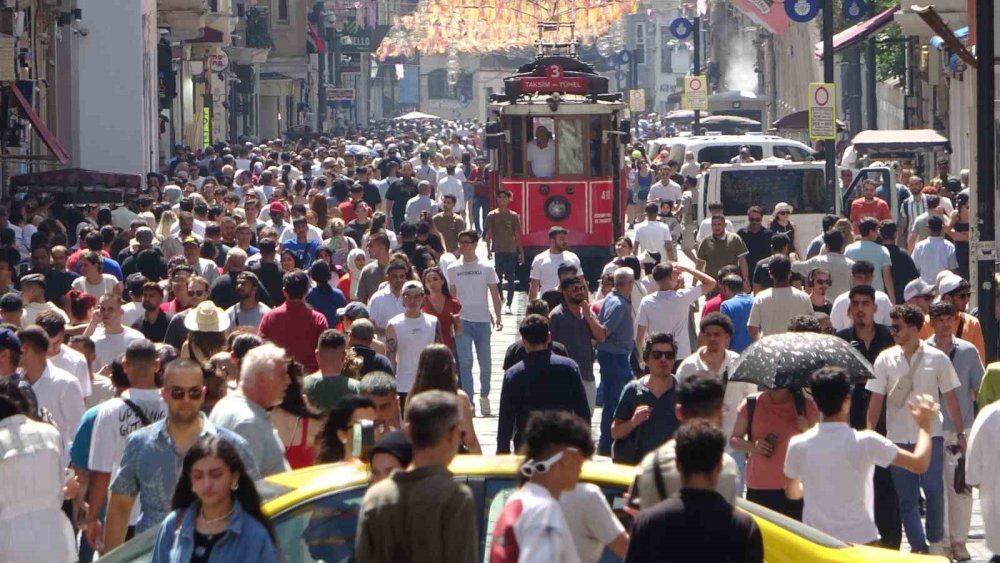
{"x":577,"y":180}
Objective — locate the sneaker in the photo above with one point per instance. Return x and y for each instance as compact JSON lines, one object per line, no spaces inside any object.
{"x":484,"y":406}
{"x":507,"y":310}
{"x":936,"y":548}
{"x":959,"y":552}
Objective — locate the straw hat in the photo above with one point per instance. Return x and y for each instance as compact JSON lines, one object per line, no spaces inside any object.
{"x":207,"y":318}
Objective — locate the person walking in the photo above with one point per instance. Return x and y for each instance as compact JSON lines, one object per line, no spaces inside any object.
{"x":474,"y":281}
{"x":868,"y":249}
{"x":699,"y":524}
{"x":573,"y":324}
{"x":216,"y":511}
{"x":421,"y":514}
{"x":545,"y":267}
{"x":667,"y":310}
{"x":723,"y":248}
{"x":542,"y":381}
{"x":406,"y":336}
{"x":652,"y":235}
{"x":775,"y":307}
{"x":436,"y":370}
{"x":645,"y":417}
{"x":915,"y":367}
{"x":503,"y":242}
{"x":613,"y":353}
{"x":531,"y":526}
{"x":293,"y":325}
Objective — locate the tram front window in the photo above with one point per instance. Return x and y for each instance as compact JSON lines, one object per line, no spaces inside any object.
{"x":570,"y":146}
{"x":542,"y":154}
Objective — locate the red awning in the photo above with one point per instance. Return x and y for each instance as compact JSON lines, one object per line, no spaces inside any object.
{"x":857,"y":33}
{"x":48,"y":137}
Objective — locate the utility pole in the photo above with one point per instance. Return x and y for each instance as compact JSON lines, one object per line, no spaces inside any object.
{"x":983,"y":204}
{"x":696,"y":126}
{"x":829,"y":145}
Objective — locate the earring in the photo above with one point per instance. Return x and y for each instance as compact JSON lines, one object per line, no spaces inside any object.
{"x":236,"y":485}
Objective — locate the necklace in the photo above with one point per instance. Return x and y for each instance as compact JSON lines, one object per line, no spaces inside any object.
{"x":214,"y":520}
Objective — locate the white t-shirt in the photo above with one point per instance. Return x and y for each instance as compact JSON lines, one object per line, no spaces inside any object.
{"x":543,"y":161}
{"x":74,"y":363}
{"x":981,"y":462}
{"x":773,"y":309}
{"x":451,"y":185}
{"x":669,"y":311}
{"x":105,"y":287}
{"x":841,"y":320}
{"x":933,"y":255}
{"x":933,"y":375}
{"x":653,"y":236}
{"x":108,"y":347}
{"x":59,"y":393}
{"x":383,"y":306}
{"x":532,"y":528}
{"x":836,"y":464}
{"x":132,"y":312}
{"x":590,"y":520}
{"x":545,"y":268}
{"x":736,"y":391}
{"x":412,"y":336}
{"x":659,"y":193}
{"x":470,"y":283}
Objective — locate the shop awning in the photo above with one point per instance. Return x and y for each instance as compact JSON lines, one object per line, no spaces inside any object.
{"x":900,"y":141}
{"x":858,"y":33}
{"x":48,"y":137}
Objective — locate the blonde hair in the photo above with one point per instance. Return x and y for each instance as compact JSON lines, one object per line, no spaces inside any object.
{"x":167,"y":221}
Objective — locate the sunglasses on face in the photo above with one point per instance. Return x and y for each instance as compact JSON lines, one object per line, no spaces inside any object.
{"x":782,"y":213}
{"x":178,"y":393}
{"x":822,"y":282}
{"x":662,"y":354}
{"x":754,"y":219}
{"x":197,"y":293}
{"x":532,"y":467}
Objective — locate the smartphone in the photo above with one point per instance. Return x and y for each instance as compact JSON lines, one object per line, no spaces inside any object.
{"x":772,"y":439}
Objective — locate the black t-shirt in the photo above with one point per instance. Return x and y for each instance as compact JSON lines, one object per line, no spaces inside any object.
{"x":155,"y":331}
{"x":434,"y":242}
{"x":203,"y":546}
{"x":371,"y":194}
{"x":758,"y":246}
{"x":553,"y":297}
{"x":515,"y":353}
{"x":270,"y":278}
{"x":824,"y":308}
{"x":400,"y":192}
{"x":357,"y":231}
{"x":762,"y":274}
{"x":859,"y":395}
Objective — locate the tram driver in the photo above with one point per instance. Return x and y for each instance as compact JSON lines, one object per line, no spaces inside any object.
{"x":541,"y":154}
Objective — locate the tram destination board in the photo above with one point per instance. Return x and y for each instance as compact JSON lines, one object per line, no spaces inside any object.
{"x":554,"y":81}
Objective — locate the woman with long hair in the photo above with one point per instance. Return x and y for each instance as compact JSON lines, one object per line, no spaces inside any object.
{"x":336,"y":441}
{"x":207,"y":325}
{"x":380,"y":225}
{"x":436,"y":371}
{"x":167,"y":221}
{"x":319,"y":206}
{"x":339,"y":244}
{"x":296,"y":423}
{"x":216,"y":511}
{"x":324,"y":298}
{"x":441,"y":305}
{"x":289,"y":262}
{"x":33,"y":485}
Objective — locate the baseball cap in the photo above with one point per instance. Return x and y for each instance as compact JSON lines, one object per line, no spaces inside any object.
{"x":276,"y":207}
{"x":9,"y":340}
{"x":250,"y":277}
{"x":33,"y":278}
{"x":917,"y":288}
{"x":950,"y":284}
{"x":354,"y":311}
{"x":413,"y":285}
{"x":395,"y":444}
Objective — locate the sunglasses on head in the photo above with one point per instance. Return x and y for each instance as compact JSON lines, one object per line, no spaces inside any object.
{"x":662,"y":354}
{"x":177,"y":393}
{"x":532,"y":467}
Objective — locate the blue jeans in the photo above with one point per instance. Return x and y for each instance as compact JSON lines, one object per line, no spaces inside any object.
{"x":908,"y":486}
{"x":615,"y":374}
{"x":480,"y":205}
{"x":506,"y":266}
{"x":478,"y":333}
{"x":741,"y":462}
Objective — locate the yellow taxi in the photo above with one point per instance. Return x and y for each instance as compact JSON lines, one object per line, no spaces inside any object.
{"x":314,"y":512}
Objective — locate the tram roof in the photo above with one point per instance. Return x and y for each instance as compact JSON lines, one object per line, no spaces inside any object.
{"x":538,"y":104}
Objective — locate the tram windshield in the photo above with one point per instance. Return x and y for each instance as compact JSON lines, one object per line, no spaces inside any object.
{"x":543,"y":147}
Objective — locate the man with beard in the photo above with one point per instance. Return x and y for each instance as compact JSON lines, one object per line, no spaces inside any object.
{"x":573,"y":325}
{"x":154,"y":322}
{"x":400,"y":192}
{"x":57,"y":282}
{"x":249,"y":311}
{"x":151,"y":463}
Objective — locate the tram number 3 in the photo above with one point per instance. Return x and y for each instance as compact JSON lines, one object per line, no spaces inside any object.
{"x":555,"y":72}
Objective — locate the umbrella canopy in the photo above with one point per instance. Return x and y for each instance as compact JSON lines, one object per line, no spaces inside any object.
{"x":416,"y":115}
{"x":679,"y":116}
{"x":359,"y":150}
{"x":799,"y":120}
{"x":731,"y":120}
{"x":787,"y":360}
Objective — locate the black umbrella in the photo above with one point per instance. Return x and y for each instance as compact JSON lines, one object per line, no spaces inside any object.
{"x":786,"y":361}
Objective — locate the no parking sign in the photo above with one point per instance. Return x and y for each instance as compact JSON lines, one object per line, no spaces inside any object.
{"x":695,"y":93}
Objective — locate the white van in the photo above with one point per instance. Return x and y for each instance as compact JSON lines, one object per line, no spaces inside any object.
{"x":767,"y":183}
{"x":720,"y":149}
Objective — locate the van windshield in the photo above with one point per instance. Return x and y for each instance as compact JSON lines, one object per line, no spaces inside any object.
{"x":803,"y":189}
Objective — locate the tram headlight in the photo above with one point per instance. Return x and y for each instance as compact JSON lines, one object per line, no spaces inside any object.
{"x":557,"y":208}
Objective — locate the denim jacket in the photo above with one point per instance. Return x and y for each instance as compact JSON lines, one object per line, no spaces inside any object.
{"x":246,"y":539}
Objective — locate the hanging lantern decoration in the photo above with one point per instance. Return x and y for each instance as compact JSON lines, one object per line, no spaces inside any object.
{"x":453,"y":64}
{"x":452,"y":78}
{"x":604,"y":46}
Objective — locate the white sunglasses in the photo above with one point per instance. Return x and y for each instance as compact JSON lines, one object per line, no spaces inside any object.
{"x":532,"y":467}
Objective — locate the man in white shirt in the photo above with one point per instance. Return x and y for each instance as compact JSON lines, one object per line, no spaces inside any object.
{"x":545,"y":267}
{"x":450,"y":184}
{"x":472,"y":282}
{"x":111,"y":339}
{"x":934,"y":254}
{"x":669,"y":309}
{"x":652,"y":235}
{"x":387,"y":302}
{"x":406,"y":336}
{"x":981,"y":462}
{"x":58,"y":392}
{"x":61,"y":355}
{"x":715,"y":209}
{"x":541,"y":154}
{"x":915,"y":367}
{"x":832,"y":465}
{"x":862,"y":273}
{"x":774,"y":308}
{"x":665,"y":189}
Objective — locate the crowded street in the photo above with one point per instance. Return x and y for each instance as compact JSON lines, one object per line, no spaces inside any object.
{"x":524,"y":281}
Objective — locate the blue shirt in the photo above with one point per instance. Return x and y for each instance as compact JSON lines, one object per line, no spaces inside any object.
{"x":737,"y":309}
{"x":616,"y":316}
{"x":326,"y":303}
{"x":246,"y":539}
{"x":151,"y":467}
{"x":110,"y":267}
{"x":306,"y":251}
{"x":79,"y":451}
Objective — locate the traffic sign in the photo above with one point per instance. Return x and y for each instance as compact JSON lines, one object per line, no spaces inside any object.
{"x":822,"y":110}
{"x":637,"y":100}
{"x":801,"y":10}
{"x":681,"y":28}
{"x":854,"y":10}
{"x":695,"y":93}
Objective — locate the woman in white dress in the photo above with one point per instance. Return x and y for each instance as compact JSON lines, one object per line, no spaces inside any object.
{"x":33,"y":485}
